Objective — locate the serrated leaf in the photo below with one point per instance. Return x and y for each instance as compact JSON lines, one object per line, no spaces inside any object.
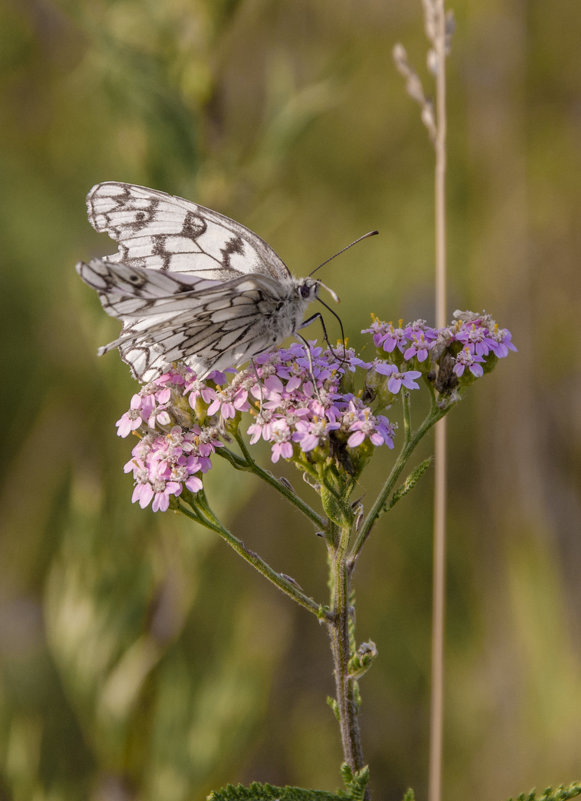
{"x":334,"y":706}
{"x":268,"y":792}
{"x":409,"y":483}
{"x":336,"y":509}
{"x":560,"y":793}
{"x":355,"y":783}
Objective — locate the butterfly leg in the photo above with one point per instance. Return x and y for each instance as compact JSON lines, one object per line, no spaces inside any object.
{"x":252,"y":362}
{"x":309,"y":357}
{"x":334,"y":313}
{"x":320,"y":317}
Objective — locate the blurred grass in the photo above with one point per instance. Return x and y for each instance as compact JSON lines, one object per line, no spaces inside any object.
{"x":138,"y":659}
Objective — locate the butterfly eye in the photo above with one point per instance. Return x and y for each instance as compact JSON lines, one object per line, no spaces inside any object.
{"x":306,"y":291}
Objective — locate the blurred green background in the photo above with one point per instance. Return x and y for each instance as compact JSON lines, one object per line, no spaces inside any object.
{"x":139,"y":659}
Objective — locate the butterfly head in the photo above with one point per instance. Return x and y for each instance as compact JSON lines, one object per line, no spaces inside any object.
{"x":308,"y":290}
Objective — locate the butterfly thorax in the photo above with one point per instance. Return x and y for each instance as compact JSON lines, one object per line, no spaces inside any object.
{"x":283,"y":304}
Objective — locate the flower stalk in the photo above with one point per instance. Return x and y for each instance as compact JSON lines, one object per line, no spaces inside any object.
{"x":323,"y":413}
{"x":411,"y":440}
{"x":266,"y":476}
{"x":339,"y":625}
{"x":200,"y":512}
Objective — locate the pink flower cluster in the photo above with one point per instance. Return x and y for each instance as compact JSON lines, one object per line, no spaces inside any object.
{"x":300,"y":406}
{"x":296,"y":405}
{"x":169,"y":455}
{"x":473,"y":339}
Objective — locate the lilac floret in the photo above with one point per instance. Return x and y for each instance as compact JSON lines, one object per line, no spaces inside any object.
{"x":397,"y":378}
{"x":419,"y":347}
{"x":502,"y":343}
{"x":467,"y":360}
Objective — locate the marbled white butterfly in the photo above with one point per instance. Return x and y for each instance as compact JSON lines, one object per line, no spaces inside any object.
{"x":188,"y":283}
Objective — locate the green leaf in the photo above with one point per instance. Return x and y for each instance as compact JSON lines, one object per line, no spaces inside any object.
{"x":332,"y":703}
{"x":362,"y":659}
{"x":355,"y":783}
{"x":267,"y":792}
{"x":560,"y":793}
{"x":409,"y":483}
{"x":336,"y":508}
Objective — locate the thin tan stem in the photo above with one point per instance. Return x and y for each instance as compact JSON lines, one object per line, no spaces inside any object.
{"x":438,"y":614}
{"x":439,"y":576}
{"x":440,"y":180}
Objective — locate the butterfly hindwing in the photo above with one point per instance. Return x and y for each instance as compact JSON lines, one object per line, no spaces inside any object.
{"x":169,"y":317}
{"x":202,"y":347}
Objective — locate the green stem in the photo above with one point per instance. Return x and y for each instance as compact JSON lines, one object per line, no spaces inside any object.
{"x":410,"y":442}
{"x":236,"y":461}
{"x":204,"y":515}
{"x":338,"y":626}
{"x":288,"y":493}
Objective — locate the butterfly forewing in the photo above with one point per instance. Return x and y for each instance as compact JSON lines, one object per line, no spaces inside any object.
{"x":168,"y":233}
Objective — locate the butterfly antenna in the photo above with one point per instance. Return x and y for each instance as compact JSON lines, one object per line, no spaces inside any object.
{"x":350,"y":245}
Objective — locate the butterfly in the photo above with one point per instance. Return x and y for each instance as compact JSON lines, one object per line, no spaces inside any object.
{"x":189,"y":284}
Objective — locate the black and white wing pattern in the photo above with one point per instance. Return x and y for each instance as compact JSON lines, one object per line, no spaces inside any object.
{"x":188,"y":283}
{"x":168,"y":233}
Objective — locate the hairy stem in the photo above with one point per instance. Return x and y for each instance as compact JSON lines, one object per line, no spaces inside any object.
{"x":289,"y":494}
{"x":410,"y":442}
{"x":338,"y":626}
{"x":201,"y":513}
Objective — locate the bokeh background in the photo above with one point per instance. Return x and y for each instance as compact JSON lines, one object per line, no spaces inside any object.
{"x":139,"y":658}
